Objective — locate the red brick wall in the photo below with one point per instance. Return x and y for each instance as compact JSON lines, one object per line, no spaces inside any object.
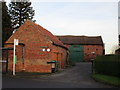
{"x":35,"y":60}
{"x":59,"y":54}
{"x":98,"y":49}
{"x":33,"y":57}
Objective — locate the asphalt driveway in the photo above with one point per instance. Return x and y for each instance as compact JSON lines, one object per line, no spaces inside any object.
{"x":78,"y":76}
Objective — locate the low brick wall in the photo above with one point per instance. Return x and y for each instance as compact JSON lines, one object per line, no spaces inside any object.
{"x":30,"y":68}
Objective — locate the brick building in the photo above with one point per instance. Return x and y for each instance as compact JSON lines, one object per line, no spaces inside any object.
{"x":37,"y":46}
{"x":83,"y":48}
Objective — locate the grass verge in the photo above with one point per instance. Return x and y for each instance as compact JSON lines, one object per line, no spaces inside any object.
{"x":107,"y":79}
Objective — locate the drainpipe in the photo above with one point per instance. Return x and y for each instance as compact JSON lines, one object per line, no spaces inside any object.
{"x":23,"y":52}
{"x":23,"y":55}
{"x":57,"y":60}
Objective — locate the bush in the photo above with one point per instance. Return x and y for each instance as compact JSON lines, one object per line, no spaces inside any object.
{"x":108,"y":64}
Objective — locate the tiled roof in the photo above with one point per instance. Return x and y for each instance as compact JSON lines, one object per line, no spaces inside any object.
{"x":50,"y":36}
{"x":42,"y":30}
{"x":84,"y":40}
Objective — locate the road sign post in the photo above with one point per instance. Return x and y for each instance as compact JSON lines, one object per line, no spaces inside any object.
{"x":14,"y":56}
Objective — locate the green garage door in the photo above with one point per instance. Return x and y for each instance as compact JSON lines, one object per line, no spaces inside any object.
{"x":76,"y":53}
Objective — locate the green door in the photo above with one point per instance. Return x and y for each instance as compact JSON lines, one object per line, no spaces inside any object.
{"x":76,"y":53}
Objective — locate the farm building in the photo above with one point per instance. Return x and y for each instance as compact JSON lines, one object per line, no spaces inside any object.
{"x":37,"y":49}
{"x":83,"y":48}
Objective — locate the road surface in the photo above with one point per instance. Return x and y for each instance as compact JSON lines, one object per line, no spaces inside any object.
{"x":78,"y":76}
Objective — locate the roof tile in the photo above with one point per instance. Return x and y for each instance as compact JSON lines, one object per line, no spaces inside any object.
{"x":42,"y":30}
{"x":85,"y":40}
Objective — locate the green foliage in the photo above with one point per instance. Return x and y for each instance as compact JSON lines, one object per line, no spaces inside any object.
{"x":6,"y":23}
{"x":108,"y":64}
{"x":107,"y":79}
{"x":20,"y":12}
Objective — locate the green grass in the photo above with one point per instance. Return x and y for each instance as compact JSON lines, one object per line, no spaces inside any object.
{"x":107,"y":79}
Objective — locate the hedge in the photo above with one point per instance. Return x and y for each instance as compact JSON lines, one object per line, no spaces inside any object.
{"x":108,"y":64}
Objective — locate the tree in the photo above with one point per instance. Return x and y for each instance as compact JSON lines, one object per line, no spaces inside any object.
{"x":20,"y":12}
{"x":6,"y":23}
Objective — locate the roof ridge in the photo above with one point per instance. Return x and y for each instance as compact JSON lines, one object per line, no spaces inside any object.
{"x":75,"y":36}
{"x":96,"y":40}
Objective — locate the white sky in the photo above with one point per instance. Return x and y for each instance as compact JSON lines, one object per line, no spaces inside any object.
{"x":70,"y":17}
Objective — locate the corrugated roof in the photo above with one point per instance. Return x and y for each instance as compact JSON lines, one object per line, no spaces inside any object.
{"x":85,"y":40}
{"x":42,"y":30}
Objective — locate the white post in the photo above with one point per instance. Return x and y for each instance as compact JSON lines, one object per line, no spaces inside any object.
{"x":14,"y":58}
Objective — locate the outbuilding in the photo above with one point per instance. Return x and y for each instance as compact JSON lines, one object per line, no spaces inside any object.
{"x":36,"y":50}
{"x":83,"y":48}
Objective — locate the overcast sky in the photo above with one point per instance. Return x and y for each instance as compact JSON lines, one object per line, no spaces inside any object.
{"x":93,"y":18}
